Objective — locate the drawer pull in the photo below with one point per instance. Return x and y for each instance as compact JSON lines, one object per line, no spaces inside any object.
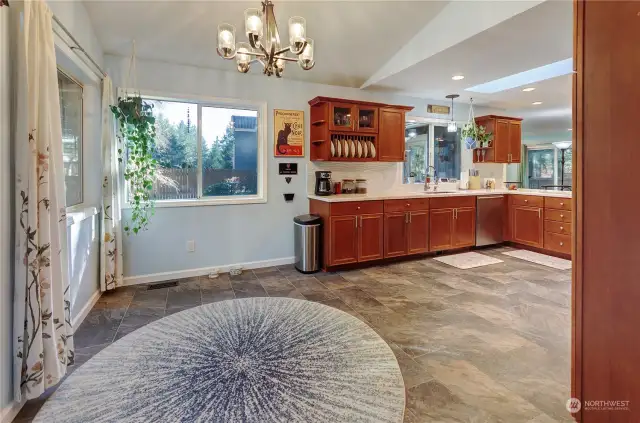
{"x":359,"y":209}
{"x":408,"y":204}
{"x":561,"y":216}
{"x":561,"y":204}
{"x":561,"y":243}
{"x":562,"y":228}
{"x":526,"y":201}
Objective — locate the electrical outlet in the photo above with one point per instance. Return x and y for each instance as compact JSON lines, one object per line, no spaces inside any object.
{"x":191,"y":246}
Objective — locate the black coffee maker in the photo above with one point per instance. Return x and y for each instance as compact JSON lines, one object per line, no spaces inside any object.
{"x":323,"y":183}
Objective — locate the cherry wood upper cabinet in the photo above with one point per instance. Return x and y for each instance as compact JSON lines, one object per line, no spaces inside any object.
{"x":507,"y":140}
{"x":370,"y":237}
{"x":515,"y":141}
{"x":343,"y":240}
{"x":464,"y":227}
{"x":391,"y":135}
{"x":441,"y":229}
{"x":527,"y":225}
{"x":418,"y":232}
{"x":363,"y":123}
{"x":395,"y":234}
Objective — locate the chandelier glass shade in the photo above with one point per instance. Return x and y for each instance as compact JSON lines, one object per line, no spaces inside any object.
{"x":264,"y":45}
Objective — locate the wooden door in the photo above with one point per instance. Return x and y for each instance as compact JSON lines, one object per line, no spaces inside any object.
{"x":395,"y":234}
{"x":501,"y":141}
{"x":418,"y":232}
{"x":515,"y":141}
{"x":527,"y":225}
{"x":367,"y":119}
{"x":391,"y":135}
{"x":440,"y":229}
{"x":370,"y":237}
{"x":464,"y":227}
{"x":342,"y":117}
{"x":343,"y":240}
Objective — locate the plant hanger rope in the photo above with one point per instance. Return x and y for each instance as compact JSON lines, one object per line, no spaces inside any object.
{"x":132,"y":68}
{"x":136,"y":144}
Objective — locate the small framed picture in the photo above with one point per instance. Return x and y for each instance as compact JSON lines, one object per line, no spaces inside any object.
{"x":288,"y":133}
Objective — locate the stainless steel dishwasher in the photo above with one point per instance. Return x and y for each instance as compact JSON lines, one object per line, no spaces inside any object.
{"x":489,"y":219}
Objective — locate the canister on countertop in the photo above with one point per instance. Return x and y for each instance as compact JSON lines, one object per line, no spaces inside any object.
{"x":361,"y":186}
{"x":348,"y":186}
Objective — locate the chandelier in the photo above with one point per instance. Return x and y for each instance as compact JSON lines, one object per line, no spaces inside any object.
{"x":264,"y":42}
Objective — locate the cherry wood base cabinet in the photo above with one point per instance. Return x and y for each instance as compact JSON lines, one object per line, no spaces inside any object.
{"x":541,"y":223}
{"x":406,"y":227}
{"x":366,"y":131}
{"x":452,"y":223}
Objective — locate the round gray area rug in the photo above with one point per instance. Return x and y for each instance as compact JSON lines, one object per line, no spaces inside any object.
{"x":255,"y":360}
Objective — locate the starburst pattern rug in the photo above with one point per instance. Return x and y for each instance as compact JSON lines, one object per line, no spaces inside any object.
{"x":251,"y":360}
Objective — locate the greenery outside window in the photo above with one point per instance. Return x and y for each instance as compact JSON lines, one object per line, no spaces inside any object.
{"x":544,"y":167}
{"x":209,"y":151}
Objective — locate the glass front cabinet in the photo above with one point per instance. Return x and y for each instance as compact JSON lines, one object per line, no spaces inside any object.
{"x":367,"y":119}
{"x":343,"y":117}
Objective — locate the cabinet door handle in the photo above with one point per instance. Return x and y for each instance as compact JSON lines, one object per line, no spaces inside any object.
{"x":406,"y":218}
{"x":361,"y":221}
{"x":356,"y":222}
{"x":409,"y":217}
{"x":539,"y":213}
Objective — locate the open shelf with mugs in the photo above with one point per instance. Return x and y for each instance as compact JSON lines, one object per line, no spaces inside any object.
{"x":356,"y":131}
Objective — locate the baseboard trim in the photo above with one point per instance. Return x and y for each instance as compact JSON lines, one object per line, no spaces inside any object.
{"x":189,"y":273}
{"x":10,"y":412}
{"x":76,"y":321}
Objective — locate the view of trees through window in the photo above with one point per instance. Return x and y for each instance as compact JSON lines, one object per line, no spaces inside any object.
{"x":228,"y":151}
{"x":426,"y":139}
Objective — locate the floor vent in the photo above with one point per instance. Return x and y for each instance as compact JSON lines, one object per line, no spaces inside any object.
{"x":162,"y":285}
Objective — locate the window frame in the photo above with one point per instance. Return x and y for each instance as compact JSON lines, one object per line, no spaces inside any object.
{"x":430,"y":159}
{"x":204,"y":101}
{"x":79,"y":206}
{"x":556,"y":160}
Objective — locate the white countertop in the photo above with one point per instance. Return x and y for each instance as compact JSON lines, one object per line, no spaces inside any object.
{"x":397,"y":195}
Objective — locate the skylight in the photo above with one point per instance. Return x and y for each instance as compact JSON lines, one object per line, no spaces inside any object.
{"x":563,"y":67}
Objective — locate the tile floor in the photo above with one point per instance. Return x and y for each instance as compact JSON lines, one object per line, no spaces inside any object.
{"x":489,"y":344}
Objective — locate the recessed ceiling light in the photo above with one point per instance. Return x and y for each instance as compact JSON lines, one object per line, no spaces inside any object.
{"x":457,"y":77}
{"x":526,"y":90}
{"x":537,"y":103}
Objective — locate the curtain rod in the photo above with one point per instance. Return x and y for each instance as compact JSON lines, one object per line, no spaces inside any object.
{"x":78,"y":46}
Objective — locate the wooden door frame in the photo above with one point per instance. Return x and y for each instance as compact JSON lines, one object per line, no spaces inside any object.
{"x":577,"y":123}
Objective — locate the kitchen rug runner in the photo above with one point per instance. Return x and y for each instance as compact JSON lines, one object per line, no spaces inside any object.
{"x":543,"y":259}
{"x":253,"y":360}
{"x":468,"y":260}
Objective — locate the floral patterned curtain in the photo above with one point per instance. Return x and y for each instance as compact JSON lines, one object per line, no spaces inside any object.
{"x":111,"y":254}
{"x":43,"y":342}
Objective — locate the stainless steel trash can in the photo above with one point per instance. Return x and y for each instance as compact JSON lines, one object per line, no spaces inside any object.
{"x":306,"y":239}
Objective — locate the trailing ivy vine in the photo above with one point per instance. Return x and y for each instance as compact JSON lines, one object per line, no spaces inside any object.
{"x":136,"y":141}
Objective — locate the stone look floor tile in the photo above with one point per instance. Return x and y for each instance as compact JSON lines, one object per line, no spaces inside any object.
{"x":483,"y":345}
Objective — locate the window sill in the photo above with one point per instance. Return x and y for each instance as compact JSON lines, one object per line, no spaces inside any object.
{"x":220,"y":201}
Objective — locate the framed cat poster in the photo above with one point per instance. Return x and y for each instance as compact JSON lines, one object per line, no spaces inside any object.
{"x":288,"y":137}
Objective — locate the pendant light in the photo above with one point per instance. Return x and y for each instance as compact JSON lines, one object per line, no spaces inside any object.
{"x":452,"y":126}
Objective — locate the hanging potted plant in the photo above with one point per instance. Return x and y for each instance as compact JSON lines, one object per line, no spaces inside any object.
{"x":476,"y":135}
{"x":136,"y":141}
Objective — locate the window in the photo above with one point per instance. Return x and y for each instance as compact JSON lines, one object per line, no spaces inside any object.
{"x":430,"y":144}
{"x":71,"y":117}
{"x":544,"y":168}
{"x":224,"y":167}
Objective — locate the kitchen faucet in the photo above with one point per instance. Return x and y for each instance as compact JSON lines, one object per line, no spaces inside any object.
{"x":427,"y":187}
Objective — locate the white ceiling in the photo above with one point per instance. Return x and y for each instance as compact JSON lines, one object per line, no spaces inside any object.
{"x":408,"y":47}
{"x":352,"y":39}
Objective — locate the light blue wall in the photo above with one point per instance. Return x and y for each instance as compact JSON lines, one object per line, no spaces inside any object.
{"x":6,"y":219}
{"x":227,"y":235}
